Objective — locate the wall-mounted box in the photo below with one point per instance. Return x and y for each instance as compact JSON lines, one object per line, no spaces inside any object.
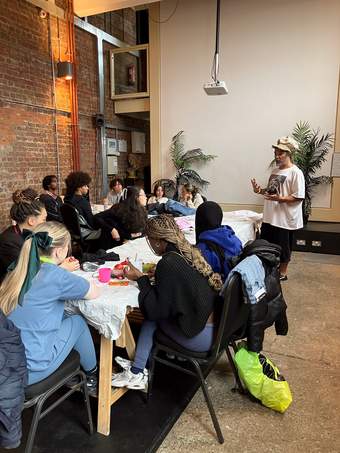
{"x":122,"y":146}
{"x":137,"y":142}
{"x":111,"y":147}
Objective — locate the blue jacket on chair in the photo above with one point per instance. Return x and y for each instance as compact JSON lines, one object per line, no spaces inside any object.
{"x":13,"y":379}
{"x":227,"y":242}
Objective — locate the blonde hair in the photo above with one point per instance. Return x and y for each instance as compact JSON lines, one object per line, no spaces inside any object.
{"x":164,"y":227}
{"x":12,"y":284}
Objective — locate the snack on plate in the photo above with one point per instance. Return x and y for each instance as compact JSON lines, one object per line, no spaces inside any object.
{"x":118,"y":269}
{"x":120,"y":283}
{"x":147,"y":267}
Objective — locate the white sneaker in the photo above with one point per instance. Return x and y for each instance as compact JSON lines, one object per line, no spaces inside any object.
{"x":130,"y":380}
{"x":124,"y":363}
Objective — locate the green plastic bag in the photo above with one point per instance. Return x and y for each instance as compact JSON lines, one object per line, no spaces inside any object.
{"x":263,"y":379}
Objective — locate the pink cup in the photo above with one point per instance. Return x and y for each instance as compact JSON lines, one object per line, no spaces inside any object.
{"x":104,"y":274}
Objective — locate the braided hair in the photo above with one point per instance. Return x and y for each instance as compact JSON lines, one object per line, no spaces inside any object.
{"x":164,"y":227}
{"x":25,"y":204}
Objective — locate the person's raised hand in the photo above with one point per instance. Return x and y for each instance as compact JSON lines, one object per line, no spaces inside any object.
{"x":273,"y":197}
{"x":131,"y":272}
{"x":256,"y":187}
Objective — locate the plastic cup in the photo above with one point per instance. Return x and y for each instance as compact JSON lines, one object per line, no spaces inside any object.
{"x":104,"y":274}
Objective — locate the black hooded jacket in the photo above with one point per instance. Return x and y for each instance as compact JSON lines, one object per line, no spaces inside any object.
{"x":272,"y":308}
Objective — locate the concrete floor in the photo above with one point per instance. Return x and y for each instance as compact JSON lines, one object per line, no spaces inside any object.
{"x":309,"y":358}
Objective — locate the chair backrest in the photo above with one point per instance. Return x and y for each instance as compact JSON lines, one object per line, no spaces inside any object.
{"x":71,"y":220}
{"x":234,"y":314}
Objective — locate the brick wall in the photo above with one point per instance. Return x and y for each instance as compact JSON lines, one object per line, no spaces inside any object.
{"x":27,"y":116}
{"x":28,"y":142}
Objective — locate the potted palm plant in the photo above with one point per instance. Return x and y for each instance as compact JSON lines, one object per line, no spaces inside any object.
{"x":312,"y":152}
{"x":183,"y":161}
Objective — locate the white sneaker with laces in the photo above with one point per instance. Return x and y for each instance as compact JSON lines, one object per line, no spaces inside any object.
{"x":130,"y":380}
{"x":124,"y":363}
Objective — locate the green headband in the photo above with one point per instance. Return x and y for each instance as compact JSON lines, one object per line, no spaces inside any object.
{"x":39,"y":240}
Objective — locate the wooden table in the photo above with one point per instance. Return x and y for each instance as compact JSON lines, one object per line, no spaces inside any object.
{"x":106,"y":394}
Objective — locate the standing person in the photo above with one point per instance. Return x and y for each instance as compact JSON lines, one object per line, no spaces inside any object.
{"x":51,"y":199}
{"x":33,"y":296}
{"x":283,"y":197}
{"x":190,"y":196}
{"x":115,"y":193}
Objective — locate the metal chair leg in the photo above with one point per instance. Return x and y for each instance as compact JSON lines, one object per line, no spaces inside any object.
{"x":34,"y":425}
{"x":208,"y":401}
{"x":234,"y":346}
{"x":234,"y":370}
{"x":151,"y":373}
{"x":87,"y":401}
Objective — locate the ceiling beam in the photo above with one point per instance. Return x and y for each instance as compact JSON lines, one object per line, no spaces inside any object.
{"x":83,"y":8}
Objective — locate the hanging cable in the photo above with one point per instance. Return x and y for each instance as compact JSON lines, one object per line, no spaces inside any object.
{"x":165,"y":20}
{"x":215,"y":64}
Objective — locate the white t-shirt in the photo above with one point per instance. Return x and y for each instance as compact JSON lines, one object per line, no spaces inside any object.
{"x":289,"y":181}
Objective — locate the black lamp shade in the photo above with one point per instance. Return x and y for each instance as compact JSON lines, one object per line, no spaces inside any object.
{"x":65,"y":70}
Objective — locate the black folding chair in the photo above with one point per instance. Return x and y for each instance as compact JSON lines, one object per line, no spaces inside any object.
{"x":232,"y":327}
{"x":71,"y":220}
{"x":37,"y":394}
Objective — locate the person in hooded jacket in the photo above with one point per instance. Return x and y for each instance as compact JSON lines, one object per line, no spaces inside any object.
{"x":217,"y":243}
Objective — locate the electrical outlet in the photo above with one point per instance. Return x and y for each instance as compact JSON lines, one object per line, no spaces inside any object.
{"x":301,"y":242}
{"x":316,"y":243}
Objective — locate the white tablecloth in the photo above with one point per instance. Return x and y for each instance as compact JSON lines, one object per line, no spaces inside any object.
{"x":107,"y":313}
{"x":244,"y":223}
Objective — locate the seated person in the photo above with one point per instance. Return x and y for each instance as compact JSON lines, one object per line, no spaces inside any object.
{"x":190,"y":196}
{"x":27,"y":213}
{"x":129,"y":216}
{"x":218,"y":243}
{"x":158,"y":195}
{"x":77,"y":188}
{"x":51,"y":199}
{"x":115,"y":193}
{"x":33,"y":295}
{"x":181,"y":302}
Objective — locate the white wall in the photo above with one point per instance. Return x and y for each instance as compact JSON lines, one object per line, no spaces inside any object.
{"x":280,"y":60}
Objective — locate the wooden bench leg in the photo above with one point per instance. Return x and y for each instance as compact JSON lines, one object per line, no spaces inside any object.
{"x":104,"y":391}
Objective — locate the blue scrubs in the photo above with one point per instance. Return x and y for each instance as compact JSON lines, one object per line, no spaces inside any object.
{"x":47,"y":334}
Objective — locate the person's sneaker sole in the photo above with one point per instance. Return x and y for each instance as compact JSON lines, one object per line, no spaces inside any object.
{"x":137,"y":387}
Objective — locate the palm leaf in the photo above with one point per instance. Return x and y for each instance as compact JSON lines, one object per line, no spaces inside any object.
{"x":191,"y":176}
{"x":182,"y":161}
{"x":316,"y":181}
{"x":312,"y":153}
{"x":196,"y":156}
{"x":177,"y":150}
